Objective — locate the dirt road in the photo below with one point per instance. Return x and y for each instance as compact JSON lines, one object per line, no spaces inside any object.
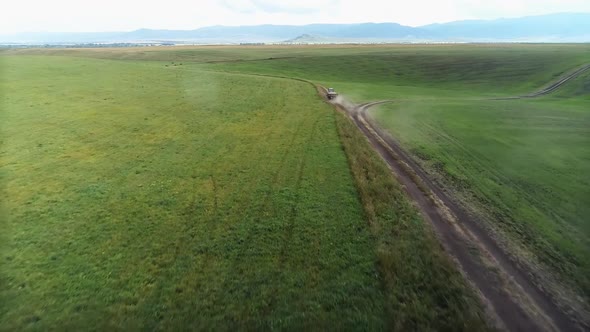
{"x":512,"y":299}
{"x":551,"y":87}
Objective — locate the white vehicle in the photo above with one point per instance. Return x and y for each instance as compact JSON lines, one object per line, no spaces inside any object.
{"x":331,"y":94}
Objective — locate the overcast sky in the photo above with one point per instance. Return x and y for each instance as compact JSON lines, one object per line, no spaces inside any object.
{"x":126,"y":15}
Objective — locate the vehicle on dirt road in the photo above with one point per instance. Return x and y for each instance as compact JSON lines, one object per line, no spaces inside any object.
{"x":331,"y":94}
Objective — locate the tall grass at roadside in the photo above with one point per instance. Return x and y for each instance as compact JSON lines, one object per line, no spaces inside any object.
{"x":422,"y":287}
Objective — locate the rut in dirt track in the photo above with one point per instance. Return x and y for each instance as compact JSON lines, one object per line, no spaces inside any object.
{"x":513,"y":300}
{"x":554,"y":85}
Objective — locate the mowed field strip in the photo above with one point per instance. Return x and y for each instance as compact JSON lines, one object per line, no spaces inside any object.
{"x":142,"y":195}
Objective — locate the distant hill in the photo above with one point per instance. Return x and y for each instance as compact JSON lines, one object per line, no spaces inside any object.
{"x":565,"y":27}
{"x":308,"y":39}
{"x":555,"y":27}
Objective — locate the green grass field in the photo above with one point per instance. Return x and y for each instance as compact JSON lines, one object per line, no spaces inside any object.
{"x":141,"y":194}
{"x":431,"y":71}
{"x":160,"y":188}
{"x":521,"y":164}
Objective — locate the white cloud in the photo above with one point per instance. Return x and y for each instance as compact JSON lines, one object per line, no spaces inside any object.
{"x":124,"y":15}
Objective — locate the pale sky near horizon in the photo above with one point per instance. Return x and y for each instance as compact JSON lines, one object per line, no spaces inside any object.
{"x":127,"y":15}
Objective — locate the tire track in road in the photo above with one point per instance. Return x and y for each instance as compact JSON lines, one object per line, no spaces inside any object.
{"x":510,"y":294}
{"x":507,"y":289}
{"x":552,"y":87}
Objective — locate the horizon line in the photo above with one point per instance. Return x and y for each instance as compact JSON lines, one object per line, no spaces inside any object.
{"x":285,"y":25}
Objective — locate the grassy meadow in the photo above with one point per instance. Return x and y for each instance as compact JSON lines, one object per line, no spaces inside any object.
{"x":425,"y":71}
{"x":143,"y":193}
{"x":520,"y":164}
{"x":160,"y":188}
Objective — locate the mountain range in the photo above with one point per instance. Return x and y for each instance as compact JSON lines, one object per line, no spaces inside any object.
{"x":563,"y":27}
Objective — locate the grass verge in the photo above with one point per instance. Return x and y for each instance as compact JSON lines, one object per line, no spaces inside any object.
{"x":422,"y":287}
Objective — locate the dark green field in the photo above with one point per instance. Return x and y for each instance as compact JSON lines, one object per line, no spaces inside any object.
{"x":150,"y":195}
